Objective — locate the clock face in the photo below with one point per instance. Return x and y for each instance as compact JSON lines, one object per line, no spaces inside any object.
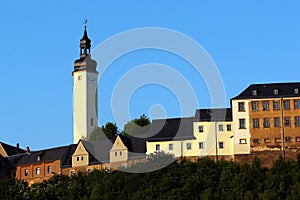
{"x":92,"y":78}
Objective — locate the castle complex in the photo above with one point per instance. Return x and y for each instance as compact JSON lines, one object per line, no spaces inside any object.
{"x":263,"y":121}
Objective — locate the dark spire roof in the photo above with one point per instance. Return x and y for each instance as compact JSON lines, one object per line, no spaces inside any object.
{"x":85,"y":62}
{"x":85,"y":37}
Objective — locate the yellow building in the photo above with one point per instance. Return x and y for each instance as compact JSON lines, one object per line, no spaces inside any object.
{"x":209,"y":133}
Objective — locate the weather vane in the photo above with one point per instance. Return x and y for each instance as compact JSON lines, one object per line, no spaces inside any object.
{"x":85,"y":22}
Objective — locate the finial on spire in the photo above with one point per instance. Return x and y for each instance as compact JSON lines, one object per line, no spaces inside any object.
{"x":85,"y":22}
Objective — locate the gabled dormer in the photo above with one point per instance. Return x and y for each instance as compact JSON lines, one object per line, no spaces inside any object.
{"x":119,"y":151}
{"x":80,"y":156}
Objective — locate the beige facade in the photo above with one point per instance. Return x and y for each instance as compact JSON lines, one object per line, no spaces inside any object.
{"x":240,"y":115}
{"x":208,"y":136}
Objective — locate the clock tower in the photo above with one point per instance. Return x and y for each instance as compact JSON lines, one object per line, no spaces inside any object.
{"x":85,"y":91}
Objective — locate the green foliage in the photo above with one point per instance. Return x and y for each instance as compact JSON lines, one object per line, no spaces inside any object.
{"x":109,"y":130}
{"x":204,"y":179}
{"x":137,"y":126}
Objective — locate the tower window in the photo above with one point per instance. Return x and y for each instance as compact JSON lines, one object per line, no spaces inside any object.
{"x":92,"y":122}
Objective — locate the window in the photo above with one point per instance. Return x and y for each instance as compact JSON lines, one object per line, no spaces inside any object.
{"x":265,"y":105}
{"x":266,"y":122}
{"x":277,"y":140}
{"x":228,"y":126}
{"x":241,"y":106}
{"x":255,"y":141}
{"x":243,"y":141}
{"x":157,"y":147}
{"x":200,"y":128}
{"x":79,"y":78}
{"x":255,"y":123}
{"x":254,"y":105}
{"x":275,"y":91}
{"x":242,"y":123}
{"x":254,"y":92}
{"x":201,"y":145}
{"x":38,"y":171}
{"x":189,"y":146}
{"x":297,"y":121}
{"x":221,"y":127}
{"x":89,"y":170}
{"x":116,"y":153}
{"x":38,"y":158}
{"x":92,"y":122}
{"x":72,"y":172}
{"x":267,"y":140}
{"x":81,"y":157}
{"x":286,"y":104}
{"x":26,"y":172}
{"x":221,"y":145}
{"x":288,"y":139}
{"x":276,"y":105}
{"x":276,"y":121}
{"x":170,"y":147}
{"x":49,"y":168}
{"x":296,"y":91}
{"x":287,"y":121}
{"x":77,"y":158}
{"x":297,"y":139}
{"x":120,"y":153}
{"x":296,"y":104}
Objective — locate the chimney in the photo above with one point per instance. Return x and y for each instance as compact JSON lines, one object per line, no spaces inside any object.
{"x":17,"y":146}
{"x":27,"y":150}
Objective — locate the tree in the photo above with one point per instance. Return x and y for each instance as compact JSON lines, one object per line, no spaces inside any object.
{"x":109,"y":130}
{"x":138,"y":126}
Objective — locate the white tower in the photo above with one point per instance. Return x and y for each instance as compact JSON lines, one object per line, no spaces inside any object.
{"x":85,"y":91}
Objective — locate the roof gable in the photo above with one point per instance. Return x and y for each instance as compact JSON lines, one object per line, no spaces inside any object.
{"x":118,"y":145}
{"x":9,"y":150}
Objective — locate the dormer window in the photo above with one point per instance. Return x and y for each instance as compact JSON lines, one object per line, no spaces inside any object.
{"x":38,"y":158}
{"x":254,"y":92}
{"x":296,"y":91}
{"x":275,"y":91}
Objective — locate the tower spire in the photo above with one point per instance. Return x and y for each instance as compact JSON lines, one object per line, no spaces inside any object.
{"x":85,"y":62}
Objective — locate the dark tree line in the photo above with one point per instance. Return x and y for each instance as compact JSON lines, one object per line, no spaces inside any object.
{"x":134,"y":127}
{"x":204,"y":179}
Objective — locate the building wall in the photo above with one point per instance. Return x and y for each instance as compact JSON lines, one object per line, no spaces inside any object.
{"x":263,"y":138}
{"x":32,"y":176}
{"x":210,"y":136}
{"x":241,"y":135}
{"x":2,"y":151}
{"x":85,"y":102}
{"x":84,"y":169}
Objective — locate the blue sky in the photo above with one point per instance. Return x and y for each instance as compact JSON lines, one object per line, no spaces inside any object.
{"x":249,"y":41}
